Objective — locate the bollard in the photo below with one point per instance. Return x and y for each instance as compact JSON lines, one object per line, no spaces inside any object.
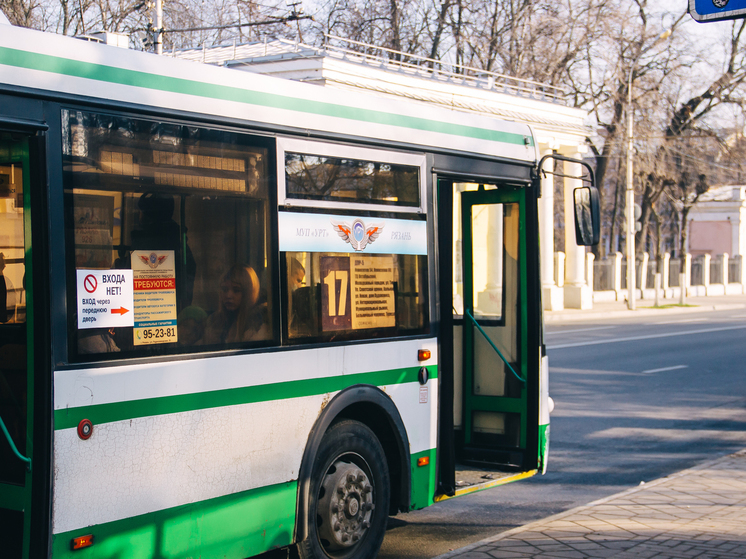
{"x":657,"y":289}
{"x":682,"y":284}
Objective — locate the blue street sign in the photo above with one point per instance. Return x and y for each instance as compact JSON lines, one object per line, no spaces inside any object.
{"x":716,"y":10}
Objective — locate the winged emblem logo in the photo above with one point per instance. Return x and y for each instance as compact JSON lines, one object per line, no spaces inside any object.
{"x":153,"y":260}
{"x":357,"y":234}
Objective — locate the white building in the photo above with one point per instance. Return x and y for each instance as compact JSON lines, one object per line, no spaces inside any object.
{"x":557,"y":126}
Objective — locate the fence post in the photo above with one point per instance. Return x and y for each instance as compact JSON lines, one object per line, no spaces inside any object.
{"x":688,"y":273}
{"x":725,"y":271}
{"x":589,"y":258}
{"x":644,"y":274}
{"x":560,"y":267}
{"x":706,"y":272}
{"x":665,"y":273}
{"x":618,"y":274}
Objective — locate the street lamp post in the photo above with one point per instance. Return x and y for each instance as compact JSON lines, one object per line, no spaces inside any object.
{"x":630,"y":202}
{"x":630,"y":192}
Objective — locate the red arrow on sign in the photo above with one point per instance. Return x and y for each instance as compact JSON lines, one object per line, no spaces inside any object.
{"x":119,"y":311}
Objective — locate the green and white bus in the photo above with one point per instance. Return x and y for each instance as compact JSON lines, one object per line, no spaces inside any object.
{"x":242,"y":313}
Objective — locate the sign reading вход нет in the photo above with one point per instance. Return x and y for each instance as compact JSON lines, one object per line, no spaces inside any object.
{"x":105,"y":298}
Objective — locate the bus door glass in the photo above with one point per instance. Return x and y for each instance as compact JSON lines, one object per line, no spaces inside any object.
{"x":15,"y":380}
{"x":489,"y":288}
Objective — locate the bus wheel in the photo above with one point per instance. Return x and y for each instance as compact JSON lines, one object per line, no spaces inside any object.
{"x":349,"y":503}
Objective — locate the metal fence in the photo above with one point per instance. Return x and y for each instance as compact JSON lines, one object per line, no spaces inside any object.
{"x":734,"y":269}
{"x":698,"y":271}
{"x":603,"y":275}
{"x":638,"y":265}
{"x":674,"y":269}
{"x":716,"y":270}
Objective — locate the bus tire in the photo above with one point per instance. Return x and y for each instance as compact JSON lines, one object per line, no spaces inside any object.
{"x":348,"y":508}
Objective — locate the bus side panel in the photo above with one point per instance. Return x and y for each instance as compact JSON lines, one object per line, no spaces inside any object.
{"x":167,"y":456}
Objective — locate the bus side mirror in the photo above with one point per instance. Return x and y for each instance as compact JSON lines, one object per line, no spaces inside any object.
{"x":587,"y":216}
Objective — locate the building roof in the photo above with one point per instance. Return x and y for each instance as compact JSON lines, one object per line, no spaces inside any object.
{"x":543,"y":106}
{"x":724,"y":193}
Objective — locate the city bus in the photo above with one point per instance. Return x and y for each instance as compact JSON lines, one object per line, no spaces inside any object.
{"x":242,"y":313}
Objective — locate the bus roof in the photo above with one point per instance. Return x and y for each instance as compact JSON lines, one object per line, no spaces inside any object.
{"x":63,"y":65}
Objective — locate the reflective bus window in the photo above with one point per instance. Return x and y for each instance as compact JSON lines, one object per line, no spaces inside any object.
{"x":343,"y":295}
{"x":167,"y":235}
{"x":13,"y":347}
{"x":315,"y":177}
{"x":12,"y":251}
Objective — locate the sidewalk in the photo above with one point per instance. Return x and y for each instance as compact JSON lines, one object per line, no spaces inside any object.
{"x":697,"y":513}
{"x":618,"y":309}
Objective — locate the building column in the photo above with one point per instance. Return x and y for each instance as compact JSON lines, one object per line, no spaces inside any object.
{"x":552,"y":296}
{"x":578,"y":295}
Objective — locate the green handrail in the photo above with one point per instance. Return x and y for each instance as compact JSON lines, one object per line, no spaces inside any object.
{"x":486,"y":337}
{"x":20,"y":456}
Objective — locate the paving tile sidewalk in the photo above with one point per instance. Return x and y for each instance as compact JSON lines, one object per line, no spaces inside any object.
{"x":697,"y":513}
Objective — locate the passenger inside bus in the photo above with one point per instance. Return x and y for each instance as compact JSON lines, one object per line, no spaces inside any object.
{"x":242,"y":314}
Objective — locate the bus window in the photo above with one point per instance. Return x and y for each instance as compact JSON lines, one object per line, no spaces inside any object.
{"x":177,"y":217}
{"x":315,"y":177}
{"x":342,"y":295}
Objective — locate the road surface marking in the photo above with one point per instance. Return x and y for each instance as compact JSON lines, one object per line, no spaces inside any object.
{"x":682,"y":321}
{"x":663,"y":369}
{"x":581,"y":330}
{"x":648,"y":337}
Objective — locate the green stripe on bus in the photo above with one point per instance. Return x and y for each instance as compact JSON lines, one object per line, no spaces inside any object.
{"x":134,"y":78}
{"x":231,"y":527}
{"x":119,"y":411}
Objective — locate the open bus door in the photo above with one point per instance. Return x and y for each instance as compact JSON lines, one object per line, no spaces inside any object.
{"x":486,"y":320}
{"x":16,"y":387}
{"x":494,"y":317}
{"x":491,"y":343}
{"x":21,"y":526}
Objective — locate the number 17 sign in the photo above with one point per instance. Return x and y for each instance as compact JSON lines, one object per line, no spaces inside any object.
{"x":336,"y":311}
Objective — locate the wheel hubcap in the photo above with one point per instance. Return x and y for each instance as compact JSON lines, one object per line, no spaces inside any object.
{"x":346,"y":505}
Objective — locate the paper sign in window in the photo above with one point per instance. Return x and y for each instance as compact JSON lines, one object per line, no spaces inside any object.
{"x":373,"y":297}
{"x":155,"y":297}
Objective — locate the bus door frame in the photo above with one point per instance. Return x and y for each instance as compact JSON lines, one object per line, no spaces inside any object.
{"x":446,"y":172}
{"x":35,"y":495}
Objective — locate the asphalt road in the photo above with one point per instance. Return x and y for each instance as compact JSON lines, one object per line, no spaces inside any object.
{"x":635,"y":400}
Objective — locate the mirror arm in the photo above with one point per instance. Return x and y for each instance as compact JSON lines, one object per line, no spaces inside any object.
{"x":559,"y":157}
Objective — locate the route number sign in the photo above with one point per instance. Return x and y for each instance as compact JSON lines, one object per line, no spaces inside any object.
{"x":357,"y":292}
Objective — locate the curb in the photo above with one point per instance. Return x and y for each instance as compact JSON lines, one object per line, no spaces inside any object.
{"x":570,"y":512}
{"x":574,"y":316}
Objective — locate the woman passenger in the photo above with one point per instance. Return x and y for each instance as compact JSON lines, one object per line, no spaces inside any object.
{"x":240,"y":316}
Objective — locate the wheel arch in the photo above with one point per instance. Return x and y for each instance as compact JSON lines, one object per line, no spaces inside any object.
{"x":371,"y":406}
